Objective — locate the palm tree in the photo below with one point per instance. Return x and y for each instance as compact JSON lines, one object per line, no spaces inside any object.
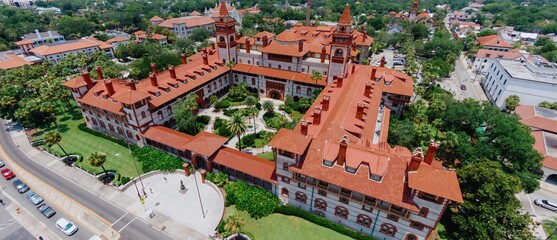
{"x":315,"y":75}
{"x":250,"y":101}
{"x":54,"y":138}
{"x":230,"y":65}
{"x":268,"y":106}
{"x":236,"y":125}
{"x":234,"y":224}
{"x":214,"y":99}
{"x":253,"y":114}
{"x":97,"y":159}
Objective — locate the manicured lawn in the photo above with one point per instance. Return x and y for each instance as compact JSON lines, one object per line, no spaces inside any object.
{"x":549,"y":227}
{"x":75,"y":141}
{"x":279,"y":227}
{"x":296,"y":115}
{"x":267,"y":155}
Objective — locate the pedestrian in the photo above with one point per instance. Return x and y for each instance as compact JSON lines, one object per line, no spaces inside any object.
{"x":40,"y":238}
{"x":2,"y":202}
{"x":166,"y":180}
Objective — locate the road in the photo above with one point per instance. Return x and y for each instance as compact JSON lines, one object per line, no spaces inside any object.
{"x":9,"y":227}
{"x":125,"y":223}
{"x":527,"y":201}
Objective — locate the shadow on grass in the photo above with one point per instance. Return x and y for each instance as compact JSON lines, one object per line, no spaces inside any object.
{"x":63,"y":128}
{"x":65,"y":118}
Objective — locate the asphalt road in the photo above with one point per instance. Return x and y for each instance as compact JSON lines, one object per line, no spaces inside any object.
{"x":126,"y":224}
{"x":527,"y":201}
{"x":10,"y":229}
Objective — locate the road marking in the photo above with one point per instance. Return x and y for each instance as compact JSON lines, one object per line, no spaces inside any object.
{"x":127,"y":224}
{"x":532,"y":206}
{"x":59,"y":195}
{"x":7,"y":224}
{"x":119,"y":219}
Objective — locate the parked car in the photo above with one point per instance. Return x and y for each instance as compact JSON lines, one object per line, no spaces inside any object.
{"x":35,"y":198}
{"x":67,"y":227}
{"x":46,"y":210}
{"x":7,"y":173}
{"x":2,"y":164}
{"x":20,"y":186}
{"x":546,"y":204}
{"x":462,"y":87}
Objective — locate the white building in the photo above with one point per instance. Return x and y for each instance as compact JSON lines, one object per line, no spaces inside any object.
{"x":184,"y":26}
{"x":533,"y":82}
{"x":57,"y":51}
{"x":41,"y":38}
{"x":19,"y":3}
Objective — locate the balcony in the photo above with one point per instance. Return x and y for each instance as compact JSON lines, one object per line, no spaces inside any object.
{"x":398,"y":99}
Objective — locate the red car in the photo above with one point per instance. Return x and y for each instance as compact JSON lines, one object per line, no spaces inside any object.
{"x":7,"y":173}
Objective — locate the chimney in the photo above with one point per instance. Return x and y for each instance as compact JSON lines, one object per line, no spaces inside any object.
{"x":205,"y":58}
{"x":301,"y":46}
{"x":248,"y":45}
{"x":360,"y":111}
{"x":316,"y":116}
{"x":132,"y":85}
{"x":431,"y":150}
{"x":367,"y":89}
{"x":313,"y":24}
{"x":339,"y":82}
{"x":153,"y":78}
{"x":304,"y":127}
{"x":99,"y":73}
{"x":265,"y":41}
{"x":417,"y":157}
{"x":323,"y":53}
{"x":341,"y":158}
{"x":109,"y":87}
{"x":87,"y":79}
{"x":184,"y":59}
{"x":172,"y":71}
{"x":38,"y":34}
{"x":154,"y":68}
{"x":325,"y":102}
{"x":308,"y":12}
{"x":353,"y":68}
{"x":213,"y":45}
{"x":373,"y":71}
{"x":362,"y":28}
{"x":382,"y":62}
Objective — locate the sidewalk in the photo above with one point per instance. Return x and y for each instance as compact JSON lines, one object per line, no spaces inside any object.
{"x":110,"y":194}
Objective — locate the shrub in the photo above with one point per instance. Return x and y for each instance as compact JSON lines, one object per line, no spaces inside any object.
{"x":248,"y":140}
{"x":230,"y":112}
{"x":258,"y":106}
{"x":293,"y":211}
{"x":256,"y":201}
{"x":219,"y":122}
{"x":203,"y":119}
{"x":154,"y":159}
{"x":220,"y":179}
{"x":124,"y":180}
{"x":83,"y":127}
{"x":223,"y":131}
{"x":222,"y":104}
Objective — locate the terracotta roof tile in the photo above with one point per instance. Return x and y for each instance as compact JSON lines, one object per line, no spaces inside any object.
{"x":131,"y":97}
{"x":264,"y":33}
{"x":287,"y":36}
{"x":117,"y":39}
{"x":188,"y":21}
{"x":246,"y":163}
{"x":345,"y":18}
{"x":156,"y":19}
{"x":283,"y":74}
{"x":167,"y":136}
{"x":195,"y":13}
{"x":493,"y":41}
{"x":68,"y":46}
{"x":511,"y":54}
{"x":291,"y":141}
{"x":23,"y":42}
{"x":287,"y":49}
{"x":205,"y":143}
{"x":223,"y":11}
{"x":428,"y":179}
{"x":76,"y":82}
{"x":10,"y":61}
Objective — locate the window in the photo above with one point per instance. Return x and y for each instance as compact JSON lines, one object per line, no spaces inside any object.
{"x":343,"y":200}
{"x":416,"y":225}
{"x":388,"y":229}
{"x":423,"y":212}
{"x":279,"y":57}
{"x":327,"y":163}
{"x":308,"y":92}
{"x":298,"y":89}
{"x":252,"y":81}
{"x":286,"y":180}
{"x":367,"y":208}
{"x":411,"y":237}
{"x":279,"y":66}
{"x":364,"y":220}
{"x":322,"y":192}
{"x":320,"y":204}
{"x":430,"y":197}
{"x":338,"y":53}
{"x":302,"y":185}
{"x":341,"y":212}
{"x":221,"y":39}
{"x":285,"y":166}
{"x":284,"y":192}
{"x":392,"y":217}
{"x":301,"y":197}
{"x":143,"y":115}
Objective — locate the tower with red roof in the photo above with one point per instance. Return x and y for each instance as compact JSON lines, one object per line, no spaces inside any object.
{"x":226,"y":35}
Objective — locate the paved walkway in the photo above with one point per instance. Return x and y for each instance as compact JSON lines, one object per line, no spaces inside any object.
{"x":165,"y":197}
{"x":85,"y":216}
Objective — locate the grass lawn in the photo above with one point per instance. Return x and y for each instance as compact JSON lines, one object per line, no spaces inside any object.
{"x":296,"y":115}
{"x":549,"y":227}
{"x":267,"y":155}
{"x":279,"y":227}
{"x":77,"y":141}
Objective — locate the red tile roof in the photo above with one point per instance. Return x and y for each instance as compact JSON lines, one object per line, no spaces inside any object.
{"x":436,"y":181}
{"x":287,"y":36}
{"x":345,"y":17}
{"x":290,"y":49}
{"x":223,"y":11}
{"x":156,"y":19}
{"x":10,"y":61}
{"x":492,"y":41}
{"x":130,"y":97}
{"x":195,"y":13}
{"x":282,"y":74}
{"x":46,"y":50}
{"x":117,"y":39}
{"x":188,"y":21}
{"x":205,"y":143}
{"x":323,"y":35}
{"x":264,"y":33}
{"x":23,"y":42}
{"x":246,"y":163}
{"x":168,"y":137}
{"x":77,"y":82}
{"x":511,"y":54}
{"x":539,"y":125}
{"x":291,"y":141}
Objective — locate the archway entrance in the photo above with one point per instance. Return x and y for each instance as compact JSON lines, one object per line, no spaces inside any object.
{"x":201,"y":163}
{"x":274,"y":94}
{"x":552,"y":179}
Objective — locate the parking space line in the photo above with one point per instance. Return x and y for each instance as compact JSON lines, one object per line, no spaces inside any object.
{"x":531,"y":206}
{"x":119,"y":219}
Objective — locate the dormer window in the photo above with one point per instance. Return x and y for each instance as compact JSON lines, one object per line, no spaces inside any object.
{"x":105,"y":97}
{"x":327,"y":163}
{"x":167,"y":89}
{"x":157,"y":94}
{"x":351,"y":170}
{"x":377,"y":79}
{"x":388,"y":83}
{"x":375,"y":177}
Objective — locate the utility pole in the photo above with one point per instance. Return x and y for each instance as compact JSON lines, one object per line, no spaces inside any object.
{"x":198,"y":194}
{"x":137,"y":171}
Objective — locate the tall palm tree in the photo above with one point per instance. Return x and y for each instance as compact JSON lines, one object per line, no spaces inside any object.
{"x":316,"y":76}
{"x":236,"y":125}
{"x":97,"y":159}
{"x":253,"y":114}
{"x":268,"y":106}
{"x":234,"y":224}
{"x":54,"y":138}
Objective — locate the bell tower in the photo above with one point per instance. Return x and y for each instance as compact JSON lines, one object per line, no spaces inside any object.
{"x":413,"y":11}
{"x":340,"y":46}
{"x":226,"y":35}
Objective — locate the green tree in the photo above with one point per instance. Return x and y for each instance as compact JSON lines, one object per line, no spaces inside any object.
{"x":512,"y":102}
{"x":74,"y":27}
{"x":316,"y":76}
{"x":487,"y":32}
{"x":199,"y":34}
{"x":97,"y":159}
{"x":234,"y":224}
{"x":54,"y":138}
{"x":185,"y":115}
{"x":213,"y":99}
{"x":268,"y":106}
{"x":490,"y":209}
{"x":237,"y":126}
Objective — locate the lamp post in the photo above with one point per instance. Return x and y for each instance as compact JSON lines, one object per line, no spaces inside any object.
{"x":134,"y":160}
{"x":198,"y":194}
{"x":136,"y":189}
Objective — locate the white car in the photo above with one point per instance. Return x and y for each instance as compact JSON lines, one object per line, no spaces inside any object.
{"x":66,"y":226}
{"x":546,"y":204}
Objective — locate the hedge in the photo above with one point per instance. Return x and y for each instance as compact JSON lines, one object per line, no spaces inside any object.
{"x":222,"y":104}
{"x":256,"y":201}
{"x":203,"y":119}
{"x":294,"y":211}
{"x":83,"y":127}
{"x":154,"y":159}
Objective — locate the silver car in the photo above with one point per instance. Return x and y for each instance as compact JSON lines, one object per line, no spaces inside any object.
{"x":35,"y":198}
{"x":546,"y":204}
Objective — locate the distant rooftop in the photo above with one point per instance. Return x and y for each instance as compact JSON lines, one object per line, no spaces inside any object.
{"x":533,"y":71}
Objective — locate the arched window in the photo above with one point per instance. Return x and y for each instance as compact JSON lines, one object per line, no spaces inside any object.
{"x":284,"y":192}
{"x":285,"y":166}
{"x":308,"y":92}
{"x":301,"y":197}
{"x":342,"y":29}
{"x":423,"y":212}
{"x":232,"y":38}
{"x":320,"y":204}
{"x":298,"y":89}
{"x":221,"y":39}
{"x":252,"y":81}
{"x":388,"y":229}
{"x":341,"y":212}
{"x":411,"y":237}
{"x":364,"y":220}
{"x":339,"y":53}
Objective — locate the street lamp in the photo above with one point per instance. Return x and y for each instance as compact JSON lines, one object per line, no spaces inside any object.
{"x":134,"y":160}
{"x":198,"y":194}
